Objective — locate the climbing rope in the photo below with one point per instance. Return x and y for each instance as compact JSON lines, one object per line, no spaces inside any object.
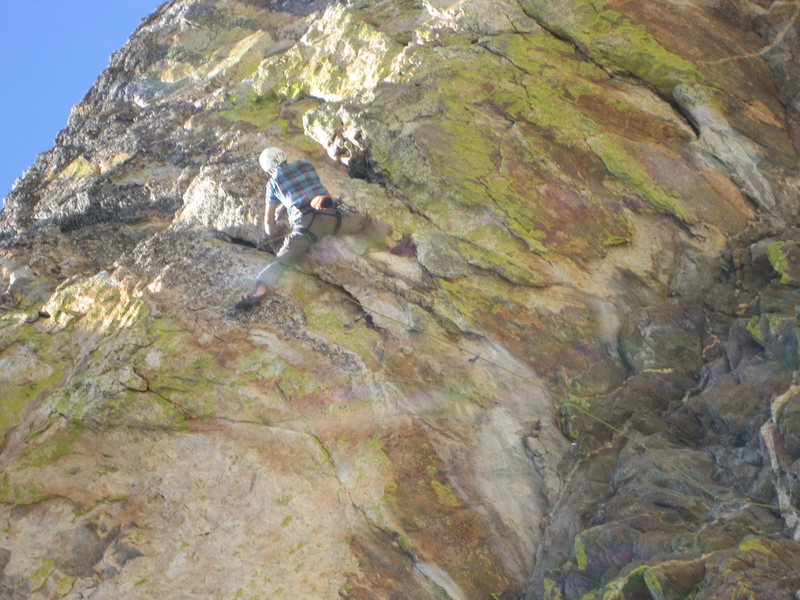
{"x":271,"y":241}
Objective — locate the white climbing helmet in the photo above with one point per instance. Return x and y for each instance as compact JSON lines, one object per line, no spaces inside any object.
{"x":271,"y":158}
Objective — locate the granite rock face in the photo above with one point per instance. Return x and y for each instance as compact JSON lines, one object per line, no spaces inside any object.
{"x":563,"y":362}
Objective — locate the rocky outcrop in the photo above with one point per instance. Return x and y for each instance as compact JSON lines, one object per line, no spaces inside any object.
{"x":563,"y":364}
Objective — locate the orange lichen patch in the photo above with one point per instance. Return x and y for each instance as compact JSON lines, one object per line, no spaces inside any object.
{"x":628,"y":121}
{"x":440,"y":525}
{"x":385,"y":571}
{"x":756,"y":109}
{"x":676,"y":168}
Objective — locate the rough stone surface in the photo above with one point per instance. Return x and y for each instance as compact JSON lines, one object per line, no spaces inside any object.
{"x":562,"y":364}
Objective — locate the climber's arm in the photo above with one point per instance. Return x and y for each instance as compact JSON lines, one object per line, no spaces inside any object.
{"x":269,"y":219}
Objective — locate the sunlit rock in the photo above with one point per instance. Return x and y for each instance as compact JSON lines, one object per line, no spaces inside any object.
{"x":560,"y":362}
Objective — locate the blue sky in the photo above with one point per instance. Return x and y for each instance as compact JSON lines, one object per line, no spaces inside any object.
{"x":51,"y":53}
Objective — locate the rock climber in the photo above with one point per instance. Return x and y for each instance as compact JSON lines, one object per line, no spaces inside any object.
{"x":296,"y":189}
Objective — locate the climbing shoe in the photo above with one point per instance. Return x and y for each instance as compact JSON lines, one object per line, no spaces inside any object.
{"x":248,"y":302}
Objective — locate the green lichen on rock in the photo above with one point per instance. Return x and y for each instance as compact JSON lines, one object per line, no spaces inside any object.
{"x":579,"y":549}
{"x":625,"y":167}
{"x":19,"y":494}
{"x":574,"y":412}
{"x":375,"y":447}
{"x":297,"y":384}
{"x":650,"y":577}
{"x":110,"y":392}
{"x":459,"y":304}
{"x":259,"y":364}
{"x":65,"y":584}
{"x":759,"y":545}
{"x":758,"y":328}
{"x":259,"y":110}
{"x":632,"y":584}
{"x":612,"y":40}
{"x":388,"y":492}
{"x":79,"y":169}
{"x":22,"y":483}
{"x":785,"y":259}
{"x":55,"y":444}
{"x":450,"y":257}
{"x":339,"y":57}
{"x":445,"y":494}
{"x":273,"y":116}
{"x":30,"y":365}
{"x":778,"y":334}
{"x":524,"y":184}
{"x":154,"y":374}
{"x":38,"y":578}
{"x":337,"y":322}
{"x":552,"y":591}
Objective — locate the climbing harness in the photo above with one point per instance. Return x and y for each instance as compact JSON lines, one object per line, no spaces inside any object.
{"x":320,"y":205}
{"x":337,"y":208}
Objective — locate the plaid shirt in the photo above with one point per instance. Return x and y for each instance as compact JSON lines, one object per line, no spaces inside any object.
{"x":294,"y":184}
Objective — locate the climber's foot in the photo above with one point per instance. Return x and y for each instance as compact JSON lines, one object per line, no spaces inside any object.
{"x":248,"y":302}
